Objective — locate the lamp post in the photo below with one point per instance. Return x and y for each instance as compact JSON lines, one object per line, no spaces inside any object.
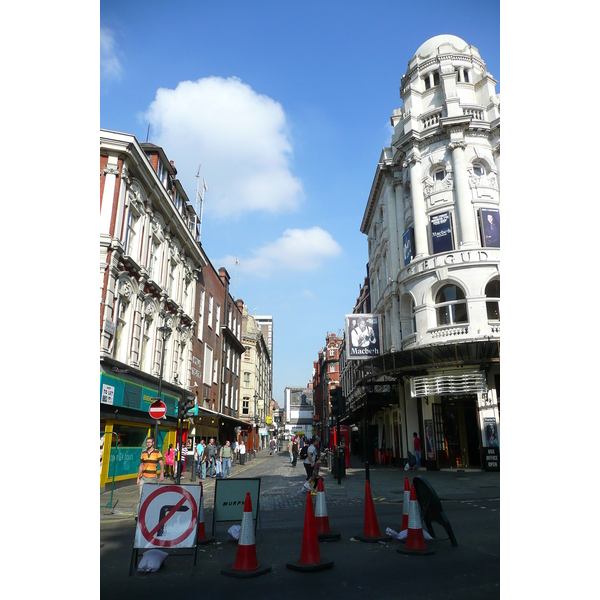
{"x":166,"y":331}
{"x":256,"y":420}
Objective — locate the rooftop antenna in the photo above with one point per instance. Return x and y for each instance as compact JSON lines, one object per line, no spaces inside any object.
{"x":235,"y":276}
{"x":148,"y":133}
{"x":201,"y":199}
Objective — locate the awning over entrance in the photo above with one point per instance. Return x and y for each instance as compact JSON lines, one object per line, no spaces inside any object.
{"x":420,"y":361}
{"x":442,"y":384}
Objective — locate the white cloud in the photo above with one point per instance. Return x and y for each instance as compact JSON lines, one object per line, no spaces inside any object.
{"x":297,"y":250}
{"x":238,"y":136}
{"x":110,"y":66}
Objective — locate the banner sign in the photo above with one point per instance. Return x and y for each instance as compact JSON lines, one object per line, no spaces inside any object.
{"x":408,"y":245}
{"x":429,"y":443}
{"x":363,"y":336}
{"x":441,"y":233}
{"x":490,"y":225}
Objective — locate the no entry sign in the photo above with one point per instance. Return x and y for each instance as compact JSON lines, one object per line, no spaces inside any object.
{"x":168,"y":516}
{"x":158,"y":409}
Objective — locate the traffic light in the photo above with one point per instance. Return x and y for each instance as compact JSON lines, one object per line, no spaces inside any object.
{"x":185,"y":406}
{"x":337,"y":401}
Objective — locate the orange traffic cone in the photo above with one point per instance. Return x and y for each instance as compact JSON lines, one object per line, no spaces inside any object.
{"x":246,"y":564}
{"x":405,"y":504}
{"x":324,"y":534}
{"x":371,"y":531}
{"x":310,"y":557}
{"x":415,"y":541}
{"x":202,"y":537}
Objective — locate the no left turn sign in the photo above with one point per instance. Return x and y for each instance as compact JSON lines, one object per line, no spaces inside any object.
{"x":168,"y":516}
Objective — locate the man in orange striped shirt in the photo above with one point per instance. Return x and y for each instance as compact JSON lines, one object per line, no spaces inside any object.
{"x":149,"y":460}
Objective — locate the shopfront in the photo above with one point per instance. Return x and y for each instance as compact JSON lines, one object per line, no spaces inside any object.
{"x":125,"y":423}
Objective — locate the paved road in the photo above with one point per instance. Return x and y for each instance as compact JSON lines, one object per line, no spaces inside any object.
{"x":471,"y":570}
{"x":281,"y":486}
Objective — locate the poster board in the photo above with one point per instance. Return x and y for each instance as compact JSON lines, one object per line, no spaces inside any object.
{"x":230,"y":496}
{"x":363,"y":336}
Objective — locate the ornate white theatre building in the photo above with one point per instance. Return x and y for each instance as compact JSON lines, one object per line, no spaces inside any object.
{"x":432,"y":221}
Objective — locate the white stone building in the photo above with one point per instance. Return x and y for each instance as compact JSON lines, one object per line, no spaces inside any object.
{"x":432,"y":221}
{"x":150,"y":259}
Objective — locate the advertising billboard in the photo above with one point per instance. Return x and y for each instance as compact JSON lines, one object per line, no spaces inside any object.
{"x":363,"y":336}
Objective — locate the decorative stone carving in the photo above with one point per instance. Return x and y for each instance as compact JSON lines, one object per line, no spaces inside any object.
{"x":126,"y":291}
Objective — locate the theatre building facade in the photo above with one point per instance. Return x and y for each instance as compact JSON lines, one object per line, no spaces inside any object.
{"x":432,"y":221}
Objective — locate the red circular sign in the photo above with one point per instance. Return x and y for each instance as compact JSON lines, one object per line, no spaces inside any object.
{"x":158,"y":409}
{"x":150,"y":535}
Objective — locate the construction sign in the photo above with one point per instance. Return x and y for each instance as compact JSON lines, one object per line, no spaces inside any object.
{"x":168,"y":516}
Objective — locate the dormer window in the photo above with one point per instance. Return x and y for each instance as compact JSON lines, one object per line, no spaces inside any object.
{"x":162,"y":173}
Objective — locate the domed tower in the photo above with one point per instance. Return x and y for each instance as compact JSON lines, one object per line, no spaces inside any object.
{"x":433,"y":218}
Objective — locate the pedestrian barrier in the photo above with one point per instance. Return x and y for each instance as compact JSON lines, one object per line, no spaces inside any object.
{"x":405,"y":504}
{"x":415,"y":541}
{"x":431,"y":508}
{"x":246,"y":563}
{"x":371,"y":532}
{"x":324,"y":533}
{"x":310,"y":557}
{"x":202,"y":537}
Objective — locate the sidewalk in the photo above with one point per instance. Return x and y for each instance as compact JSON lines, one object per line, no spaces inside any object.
{"x":386,"y":483}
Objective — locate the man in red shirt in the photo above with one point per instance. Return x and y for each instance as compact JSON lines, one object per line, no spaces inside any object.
{"x":417,"y":446}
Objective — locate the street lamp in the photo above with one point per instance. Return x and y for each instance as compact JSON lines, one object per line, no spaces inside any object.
{"x":166,"y":331}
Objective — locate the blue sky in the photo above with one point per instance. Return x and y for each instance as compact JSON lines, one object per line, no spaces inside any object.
{"x":286,"y":106}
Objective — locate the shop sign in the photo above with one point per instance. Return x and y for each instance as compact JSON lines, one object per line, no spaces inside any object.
{"x":108,"y":394}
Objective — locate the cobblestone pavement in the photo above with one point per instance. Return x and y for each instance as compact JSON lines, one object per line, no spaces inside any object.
{"x":281,"y":486}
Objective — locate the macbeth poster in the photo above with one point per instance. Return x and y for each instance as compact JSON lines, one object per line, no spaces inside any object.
{"x":362,"y":333}
{"x":441,"y":233}
{"x":490,"y":224}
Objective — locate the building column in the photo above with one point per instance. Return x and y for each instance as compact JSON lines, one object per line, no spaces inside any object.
{"x":418,"y":206}
{"x":390,"y":205}
{"x":466,"y":216}
{"x":496,"y":154}
{"x":400,"y":223}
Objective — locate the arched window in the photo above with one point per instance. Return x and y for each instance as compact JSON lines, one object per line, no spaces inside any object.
{"x":450,"y":306}
{"x":492,"y":300}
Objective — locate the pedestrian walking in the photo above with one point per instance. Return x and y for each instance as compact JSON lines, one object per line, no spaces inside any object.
{"x":211,"y":456}
{"x":204,"y":463}
{"x":309,"y":461}
{"x":242,"y":452}
{"x":272,"y":447}
{"x":290,"y":450}
{"x":184,"y":452}
{"x":169,"y":458}
{"x":198,"y":452}
{"x":313,"y":480}
{"x":234,"y":452}
{"x":225,"y":458}
{"x":295,"y":450}
{"x":417,"y":447}
{"x":150,"y":459}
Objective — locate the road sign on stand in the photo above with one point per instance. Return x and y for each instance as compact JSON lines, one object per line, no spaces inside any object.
{"x":158,"y":409}
{"x":168,"y":518}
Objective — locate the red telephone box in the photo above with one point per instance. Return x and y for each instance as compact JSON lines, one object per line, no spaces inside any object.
{"x":344,"y":441}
